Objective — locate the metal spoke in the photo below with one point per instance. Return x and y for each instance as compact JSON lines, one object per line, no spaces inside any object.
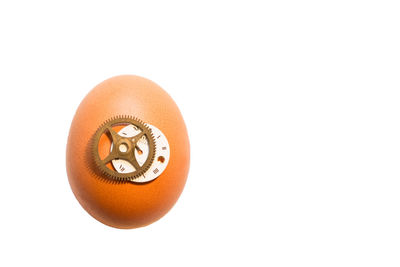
{"x":137,"y":137}
{"x":110,"y":157}
{"x":132,"y":160}
{"x":114,"y":135}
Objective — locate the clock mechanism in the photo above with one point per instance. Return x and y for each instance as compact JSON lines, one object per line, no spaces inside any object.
{"x":126,"y":149}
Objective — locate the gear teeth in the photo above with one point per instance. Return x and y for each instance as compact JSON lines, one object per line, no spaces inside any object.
{"x":112,"y":174}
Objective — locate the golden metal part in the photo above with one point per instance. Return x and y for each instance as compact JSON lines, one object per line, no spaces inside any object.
{"x":123,"y":148}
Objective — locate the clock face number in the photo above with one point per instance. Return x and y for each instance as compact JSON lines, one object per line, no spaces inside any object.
{"x":122,"y":168}
{"x":161,"y":156}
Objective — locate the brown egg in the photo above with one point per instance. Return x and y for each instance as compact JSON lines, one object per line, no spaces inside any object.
{"x":99,"y":184}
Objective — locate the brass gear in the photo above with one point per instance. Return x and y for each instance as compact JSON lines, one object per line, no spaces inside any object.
{"x":130,"y":144}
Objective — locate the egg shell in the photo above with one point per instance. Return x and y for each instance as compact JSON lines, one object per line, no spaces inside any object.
{"x":127,"y":204}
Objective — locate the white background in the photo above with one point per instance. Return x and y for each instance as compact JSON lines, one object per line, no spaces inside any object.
{"x":292,"y":109}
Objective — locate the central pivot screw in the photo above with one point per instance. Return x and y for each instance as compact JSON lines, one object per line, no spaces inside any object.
{"x":123,"y":147}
